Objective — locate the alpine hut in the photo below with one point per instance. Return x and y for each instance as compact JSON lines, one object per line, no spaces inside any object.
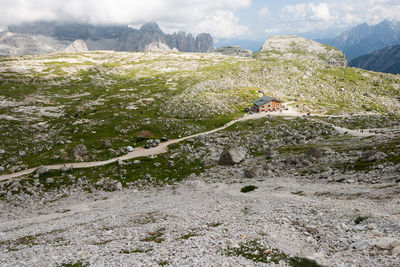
{"x":267,"y":103}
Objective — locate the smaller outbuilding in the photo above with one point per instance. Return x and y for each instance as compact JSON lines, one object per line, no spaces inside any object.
{"x":267,"y":103}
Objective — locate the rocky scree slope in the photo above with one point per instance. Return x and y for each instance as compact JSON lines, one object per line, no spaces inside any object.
{"x":12,"y":44}
{"x":310,"y":201}
{"x":385,"y":60}
{"x":52,"y":103}
{"x":295,"y":47}
{"x":115,"y":37}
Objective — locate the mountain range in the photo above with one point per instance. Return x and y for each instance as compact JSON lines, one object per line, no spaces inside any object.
{"x":384,"y":60}
{"x":364,"y":39}
{"x":97,"y":37}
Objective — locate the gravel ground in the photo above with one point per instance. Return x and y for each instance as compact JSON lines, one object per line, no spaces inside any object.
{"x":192,"y":223}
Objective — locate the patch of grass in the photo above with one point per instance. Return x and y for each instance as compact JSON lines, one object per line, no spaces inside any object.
{"x":163,"y":263}
{"x":255,"y":251}
{"x":360,"y":219}
{"x":154,"y":237}
{"x":248,"y":188}
{"x":189,"y":235}
{"x":214,"y":224}
{"x":134,"y":251}
{"x":74,"y":264}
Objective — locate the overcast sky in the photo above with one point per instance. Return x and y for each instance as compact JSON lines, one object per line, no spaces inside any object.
{"x":245,"y":19}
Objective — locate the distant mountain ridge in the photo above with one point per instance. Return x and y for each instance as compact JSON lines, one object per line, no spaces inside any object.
{"x":116,"y":37}
{"x":385,"y":60}
{"x":364,"y":39}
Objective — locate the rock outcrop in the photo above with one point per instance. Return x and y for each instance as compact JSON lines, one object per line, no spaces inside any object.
{"x":295,"y":47}
{"x":234,"y":51}
{"x":159,"y":47}
{"x":76,"y":47}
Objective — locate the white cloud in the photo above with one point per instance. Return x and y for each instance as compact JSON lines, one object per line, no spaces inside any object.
{"x":172,"y":14}
{"x":223,"y":24}
{"x":272,"y":31}
{"x":318,"y":15}
{"x":264,"y":12}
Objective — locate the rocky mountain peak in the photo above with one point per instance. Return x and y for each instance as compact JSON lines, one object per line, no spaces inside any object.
{"x":296,"y":47}
{"x":151,"y":28}
{"x":76,"y":47}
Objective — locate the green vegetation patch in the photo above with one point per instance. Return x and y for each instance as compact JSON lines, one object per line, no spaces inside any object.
{"x":255,"y":251}
{"x":134,"y":251}
{"x":74,"y":264}
{"x":155,"y":236}
{"x":360,"y":219}
{"x":248,"y":188}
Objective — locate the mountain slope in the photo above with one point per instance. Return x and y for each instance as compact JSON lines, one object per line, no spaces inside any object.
{"x":20,"y":44}
{"x":115,"y":37}
{"x":295,"y":47}
{"x":363,"y":39}
{"x":385,"y":60}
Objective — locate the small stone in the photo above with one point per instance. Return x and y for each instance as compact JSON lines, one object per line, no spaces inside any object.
{"x":129,"y":149}
{"x":107,"y":143}
{"x":22,"y":153}
{"x":64,"y":168}
{"x":363,"y":244}
{"x":387,"y":243}
{"x":49,"y":180}
{"x":41,"y":170}
{"x":136,"y":161}
{"x":395,"y":251}
{"x":2,"y":151}
{"x":157,"y":164}
{"x":119,"y":186}
{"x":250,"y":172}
{"x":120,"y":162}
{"x":311,"y":229}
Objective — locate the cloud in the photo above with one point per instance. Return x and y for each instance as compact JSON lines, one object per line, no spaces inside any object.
{"x":319,"y":15}
{"x":272,"y":31}
{"x":180,"y":14}
{"x":264,"y":12}
{"x":223,"y":24}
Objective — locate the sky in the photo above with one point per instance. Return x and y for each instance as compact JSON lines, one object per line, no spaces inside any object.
{"x":242,"y":19}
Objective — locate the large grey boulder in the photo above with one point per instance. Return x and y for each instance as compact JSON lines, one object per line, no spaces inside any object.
{"x":80,"y":151}
{"x":232,"y":156}
{"x":314,"y":152}
{"x":373,"y":155}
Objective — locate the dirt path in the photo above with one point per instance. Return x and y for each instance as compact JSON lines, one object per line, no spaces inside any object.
{"x":162,"y":148}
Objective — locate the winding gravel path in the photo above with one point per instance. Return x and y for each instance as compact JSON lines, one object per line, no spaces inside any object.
{"x":163,"y":147}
